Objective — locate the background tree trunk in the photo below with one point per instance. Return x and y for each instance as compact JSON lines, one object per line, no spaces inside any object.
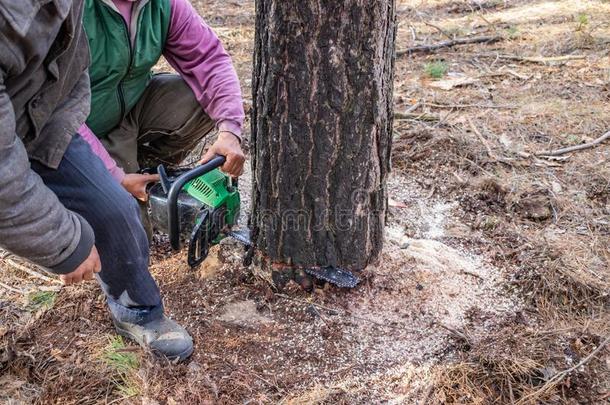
{"x":322,"y":130}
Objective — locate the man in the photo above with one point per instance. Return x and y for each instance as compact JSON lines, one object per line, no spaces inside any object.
{"x":144,"y":119}
{"x":59,"y":205}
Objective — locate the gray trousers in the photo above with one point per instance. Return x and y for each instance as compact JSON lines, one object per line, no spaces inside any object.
{"x":166,"y":124}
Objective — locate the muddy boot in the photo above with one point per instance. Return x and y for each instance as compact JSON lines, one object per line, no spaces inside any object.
{"x":145,"y":218}
{"x":162,"y":336}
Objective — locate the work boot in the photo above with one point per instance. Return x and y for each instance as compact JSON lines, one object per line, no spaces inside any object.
{"x":162,"y":336}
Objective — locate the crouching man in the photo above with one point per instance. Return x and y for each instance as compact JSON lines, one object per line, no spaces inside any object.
{"x":143,"y":119}
{"x":59,"y":205}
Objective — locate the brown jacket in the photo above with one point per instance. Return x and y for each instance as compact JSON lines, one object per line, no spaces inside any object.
{"x":44,"y":98}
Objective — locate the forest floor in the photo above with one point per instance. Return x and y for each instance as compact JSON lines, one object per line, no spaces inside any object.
{"x":495,"y":279}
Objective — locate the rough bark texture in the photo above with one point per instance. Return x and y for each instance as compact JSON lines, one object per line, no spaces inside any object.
{"x":321,"y":130}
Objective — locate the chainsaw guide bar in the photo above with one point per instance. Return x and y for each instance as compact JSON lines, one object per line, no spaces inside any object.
{"x":334,"y":275}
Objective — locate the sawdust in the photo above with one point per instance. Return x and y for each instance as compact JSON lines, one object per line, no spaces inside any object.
{"x":424,"y":283}
{"x":211,"y":265}
{"x":242,"y":313}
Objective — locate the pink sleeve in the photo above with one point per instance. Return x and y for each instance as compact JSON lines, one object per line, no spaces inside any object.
{"x":101,"y":152}
{"x":195,"y":51}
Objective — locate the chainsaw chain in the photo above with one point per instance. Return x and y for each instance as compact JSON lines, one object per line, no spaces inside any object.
{"x":242,"y":236}
{"x":334,"y":275}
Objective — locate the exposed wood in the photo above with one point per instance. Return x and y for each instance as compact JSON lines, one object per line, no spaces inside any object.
{"x":321,"y":130}
{"x":449,"y":44}
{"x":414,"y":107}
{"x":575,"y":148}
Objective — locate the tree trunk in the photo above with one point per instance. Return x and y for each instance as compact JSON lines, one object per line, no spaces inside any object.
{"x":322,"y":130}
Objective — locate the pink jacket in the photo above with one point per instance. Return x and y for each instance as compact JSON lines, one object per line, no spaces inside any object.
{"x":196,"y":53}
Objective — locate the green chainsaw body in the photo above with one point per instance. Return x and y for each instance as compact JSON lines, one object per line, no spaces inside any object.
{"x":215,"y":190}
{"x":200,"y":205}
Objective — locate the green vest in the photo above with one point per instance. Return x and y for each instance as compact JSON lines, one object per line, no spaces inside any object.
{"x":121,"y":66}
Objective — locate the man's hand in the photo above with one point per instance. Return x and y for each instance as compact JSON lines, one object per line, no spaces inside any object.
{"x":228,"y":146}
{"x":85,"y":271}
{"x":136,"y":184}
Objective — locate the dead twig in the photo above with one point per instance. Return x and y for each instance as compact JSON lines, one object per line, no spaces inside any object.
{"x":499,"y":107}
{"x":490,"y":152}
{"x":557,"y":378}
{"x":530,"y":59}
{"x":575,"y":148}
{"x":6,"y":259}
{"x":439,"y":29}
{"x":504,"y":72}
{"x":416,"y":117}
{"x":12,"y":289}
{"x":123,"y":398}
{"x":456,"y":333}
{"x":413,"y":107}
{"x":542,"y":59}
{"x":448,"y":44}
{"x":510,"y":391}
{"x":469,"y":273}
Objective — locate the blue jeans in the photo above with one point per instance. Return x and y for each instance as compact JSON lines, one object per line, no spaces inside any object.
{"x":83,"y":185}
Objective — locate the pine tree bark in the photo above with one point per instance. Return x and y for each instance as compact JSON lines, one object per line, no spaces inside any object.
{"x":322,"y":130}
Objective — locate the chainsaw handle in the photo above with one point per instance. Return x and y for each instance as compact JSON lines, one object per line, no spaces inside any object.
{"x":174,"y":192}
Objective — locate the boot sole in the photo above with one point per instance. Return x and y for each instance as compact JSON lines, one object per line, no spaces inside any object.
{"x":180,"y":356}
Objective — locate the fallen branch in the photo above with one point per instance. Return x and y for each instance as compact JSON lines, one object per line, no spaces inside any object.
{"x":550,"y":384}
{"x":448,"y":44}
{"x":575,"y":148}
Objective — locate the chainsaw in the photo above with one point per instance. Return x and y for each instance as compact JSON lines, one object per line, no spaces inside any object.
{"x":202,"y":205}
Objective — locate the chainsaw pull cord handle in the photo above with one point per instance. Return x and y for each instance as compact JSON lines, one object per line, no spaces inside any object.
{"x":174,"y":192}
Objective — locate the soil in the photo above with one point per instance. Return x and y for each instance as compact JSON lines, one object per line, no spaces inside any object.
{"x":495,"y":273}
